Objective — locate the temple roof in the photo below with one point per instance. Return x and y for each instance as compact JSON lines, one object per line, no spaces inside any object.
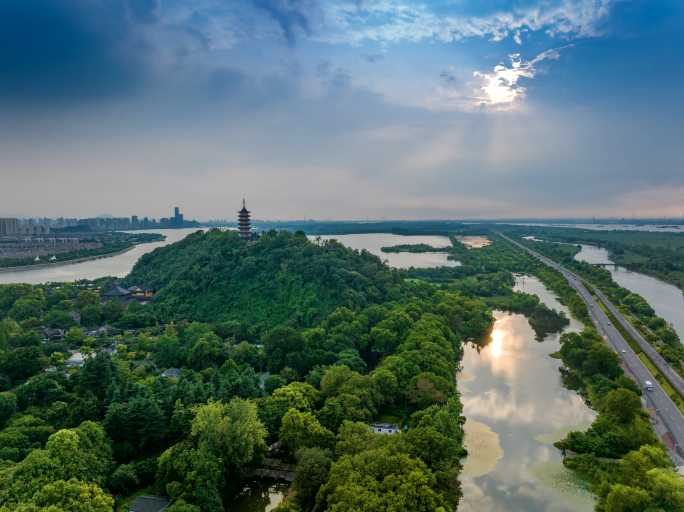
{"x":116,"y":291}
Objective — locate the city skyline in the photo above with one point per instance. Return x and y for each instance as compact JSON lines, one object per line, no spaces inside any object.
{"x":391,"y":109}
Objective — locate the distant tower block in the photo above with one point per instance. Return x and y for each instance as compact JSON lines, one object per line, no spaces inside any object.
{"x":244,"y":223}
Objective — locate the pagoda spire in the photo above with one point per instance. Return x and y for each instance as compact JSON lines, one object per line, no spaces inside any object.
{"x":244,"y":222}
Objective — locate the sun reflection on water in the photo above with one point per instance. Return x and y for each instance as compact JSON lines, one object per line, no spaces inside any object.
{"x":513,"y":389}
{"x":496,"y":346}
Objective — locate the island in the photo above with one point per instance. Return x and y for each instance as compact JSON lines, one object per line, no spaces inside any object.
{"x":414,"y":248}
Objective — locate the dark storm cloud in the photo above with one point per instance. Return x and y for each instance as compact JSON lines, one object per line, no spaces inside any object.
{"x":290,"y":15}
{"x":71,"y":49}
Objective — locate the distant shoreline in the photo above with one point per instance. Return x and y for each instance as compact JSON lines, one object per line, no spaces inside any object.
{"x":40,"y":266}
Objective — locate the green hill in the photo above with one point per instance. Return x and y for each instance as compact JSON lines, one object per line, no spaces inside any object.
{"x":281,"y":277}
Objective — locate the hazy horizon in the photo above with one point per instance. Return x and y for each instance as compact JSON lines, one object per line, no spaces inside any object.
{"x":342,"y":109}
{"x":675,"y":220}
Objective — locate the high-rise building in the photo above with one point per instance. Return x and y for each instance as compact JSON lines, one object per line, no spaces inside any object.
{"x":244,"y":222}
{"x":177,"y":219}
{"x":9,"y":227}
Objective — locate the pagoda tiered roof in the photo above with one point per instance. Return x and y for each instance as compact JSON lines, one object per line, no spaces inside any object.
{"x":244,"y":222}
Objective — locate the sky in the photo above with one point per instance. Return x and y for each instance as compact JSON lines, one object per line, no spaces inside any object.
{"x":342,"y":109}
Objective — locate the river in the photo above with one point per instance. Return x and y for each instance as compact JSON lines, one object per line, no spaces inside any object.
{"x":653,"y":228}
{"x":117,"y":266}
{"x":666,"y":299}
{"x":516,"y":408}
{"x":374,"y":242}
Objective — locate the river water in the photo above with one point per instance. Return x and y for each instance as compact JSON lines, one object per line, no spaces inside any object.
{"x":117,"y":266}
{"x":654,"y":228}
{"x":516,"y":408}
{"x":666,"y":299}
{"x":259,"y":496}
{"x":374,"y":242}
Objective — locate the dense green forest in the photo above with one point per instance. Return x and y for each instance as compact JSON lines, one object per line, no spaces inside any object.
{"x":282,"y":277}
{"x":487,"y":273}
{"x":414,"y":248}
{"x":301,"y":345}
{"x":88,"y":435}
{"x":619,"y":454}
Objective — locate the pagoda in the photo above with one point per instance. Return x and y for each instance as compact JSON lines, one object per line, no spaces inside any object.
{"x":244,"y":223}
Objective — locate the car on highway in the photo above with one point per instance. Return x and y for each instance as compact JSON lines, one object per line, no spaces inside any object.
{"x":648,"y":385}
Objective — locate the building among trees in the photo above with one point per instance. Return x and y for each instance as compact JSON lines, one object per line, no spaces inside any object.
{"x":244,"y":222}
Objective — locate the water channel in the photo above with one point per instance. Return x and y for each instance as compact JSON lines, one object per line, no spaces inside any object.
{"x":516,"y":408}
{"x":666,"y":299}
{"x":653,"y":228}
{"x":373,"y":243}
{"x":117,"y":266}
{"x":259,"y":496}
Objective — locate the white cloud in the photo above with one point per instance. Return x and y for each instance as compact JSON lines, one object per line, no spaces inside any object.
{"x":393,"y":21}
{"x":501,"y":89}
{"x":222,"y":24}
{"x":517,"y":37}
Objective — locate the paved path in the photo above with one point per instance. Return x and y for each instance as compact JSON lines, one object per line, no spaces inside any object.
{"x":667,"y":412}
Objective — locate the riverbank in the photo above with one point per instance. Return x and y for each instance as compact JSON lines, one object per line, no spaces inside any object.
{"x":115,"y":264}
{"x":512,"y":421}
{"x":40,"y":266}
{"x":609,"y":376}
{"x":665,"y":298}
{"x":655,"y":254}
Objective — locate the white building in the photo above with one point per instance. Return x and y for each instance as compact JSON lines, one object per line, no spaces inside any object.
{"x":385,"y":428}
{"x":75,"y":360}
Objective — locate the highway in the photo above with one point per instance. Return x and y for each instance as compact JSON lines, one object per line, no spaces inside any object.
{"x":667,"y":412}
{"x":663,"y":367}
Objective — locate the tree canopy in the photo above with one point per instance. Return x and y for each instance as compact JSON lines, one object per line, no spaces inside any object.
{"x":281,"y":278}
